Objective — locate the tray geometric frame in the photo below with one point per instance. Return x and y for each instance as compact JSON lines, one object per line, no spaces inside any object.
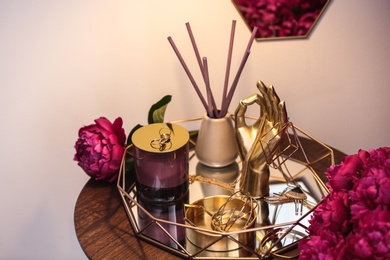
{"x":292,"y":152}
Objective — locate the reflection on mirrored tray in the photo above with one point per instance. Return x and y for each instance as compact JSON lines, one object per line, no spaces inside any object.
{"x":226,"y":174}
{"x":186,"y":225}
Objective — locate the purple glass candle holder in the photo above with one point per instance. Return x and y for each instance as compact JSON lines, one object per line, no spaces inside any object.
{"x":172,"y":211}
{"x":161,"y":165}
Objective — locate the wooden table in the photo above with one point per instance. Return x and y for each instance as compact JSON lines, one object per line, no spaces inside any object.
{"x":104,"y":231}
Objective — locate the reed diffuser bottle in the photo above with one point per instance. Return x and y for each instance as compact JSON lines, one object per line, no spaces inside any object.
{"x":216,"y":144}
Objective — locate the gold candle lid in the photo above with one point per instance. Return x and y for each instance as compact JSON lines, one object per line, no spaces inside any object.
{"x":160,"y":137}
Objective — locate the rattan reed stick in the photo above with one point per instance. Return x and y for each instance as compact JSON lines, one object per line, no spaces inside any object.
{"x":188,"y":72}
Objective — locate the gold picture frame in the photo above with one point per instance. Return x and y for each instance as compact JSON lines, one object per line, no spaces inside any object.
{"x":281,"y":19}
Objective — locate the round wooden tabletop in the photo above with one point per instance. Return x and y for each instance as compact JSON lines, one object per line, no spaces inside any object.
{"x":103,"y":228}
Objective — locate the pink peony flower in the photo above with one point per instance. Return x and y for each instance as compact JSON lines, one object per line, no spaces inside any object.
{"x":333,"y":214}
{"x":371,"y":237}
{"x":342,"y":177}
{"x":100,"y":147}
{"x":353,"y":221}
{"x":324,"y":245}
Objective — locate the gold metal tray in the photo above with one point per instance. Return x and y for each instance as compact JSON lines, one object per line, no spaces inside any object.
{"x":276,"y":234}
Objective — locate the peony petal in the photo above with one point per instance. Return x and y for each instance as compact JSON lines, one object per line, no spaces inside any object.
{"x":117,"y":125}
{"x":105,"y":124}
{"x":119,"y":131}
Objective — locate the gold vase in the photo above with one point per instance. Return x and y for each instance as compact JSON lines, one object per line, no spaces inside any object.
{"x":216,"y":144}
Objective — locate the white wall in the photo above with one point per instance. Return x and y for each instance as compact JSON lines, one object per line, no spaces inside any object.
{"x":65,"y":63}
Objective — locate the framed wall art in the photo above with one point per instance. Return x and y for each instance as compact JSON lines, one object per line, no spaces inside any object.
{"x":281,"y":19}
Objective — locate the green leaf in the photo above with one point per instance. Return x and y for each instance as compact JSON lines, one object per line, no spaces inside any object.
{"x":129,"y":142}
{"x":157,"y":111}
{"x":169,"y":125}
{"x":193,"y":133}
